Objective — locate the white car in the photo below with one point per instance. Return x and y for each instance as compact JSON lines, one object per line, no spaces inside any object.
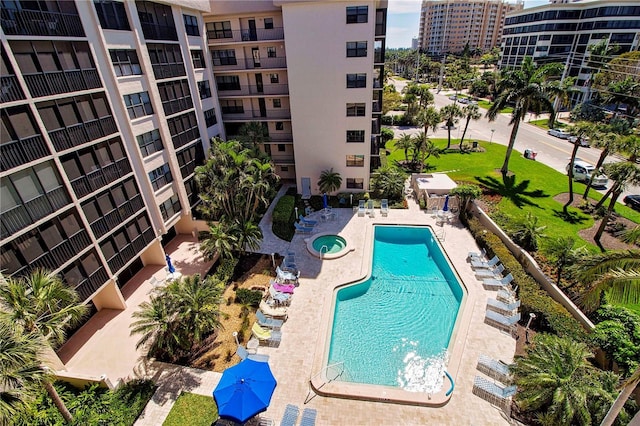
{"x":582,"y":172}
{"x":584,"y":141}
{"x":558,"y":133}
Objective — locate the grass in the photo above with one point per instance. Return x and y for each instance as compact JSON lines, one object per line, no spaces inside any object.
{"x":192,"y":410}
{"x":544,"y":124}
{"x":483,"y":103}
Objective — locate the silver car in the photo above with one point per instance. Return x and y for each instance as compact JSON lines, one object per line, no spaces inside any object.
{"x":558,"y":133}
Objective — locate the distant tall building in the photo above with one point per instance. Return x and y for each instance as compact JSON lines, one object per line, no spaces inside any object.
{"x":447,"y":26}
{"x":414,"y":43}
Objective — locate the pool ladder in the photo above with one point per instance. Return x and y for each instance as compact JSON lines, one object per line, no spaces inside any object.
{"x":326,"y":249}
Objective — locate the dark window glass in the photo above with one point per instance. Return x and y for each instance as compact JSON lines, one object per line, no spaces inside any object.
{"x":138,"y":104}
{"x":112,"y":15}
{"x":268,"y":23}
{"x":355,"y":183}
{"x":356,"y":80}
{"x":355,"y":160}
{"x":191,"y":25}
{"x":355,"y":110}
{"x":357,"y":14}
{"x":210,"y":117}
{"x":224,"y":57}
{"x":197,"y":56}
{"x":356,"y":49}
{"x":355,"y":135}
{"x":150,"y":142}
{"x":204,"y":89}
{"x":125,"y":62}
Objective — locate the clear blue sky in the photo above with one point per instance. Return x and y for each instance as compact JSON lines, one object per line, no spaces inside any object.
{"x":403,"y":20}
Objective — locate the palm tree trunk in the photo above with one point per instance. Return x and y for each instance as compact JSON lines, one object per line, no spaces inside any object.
{"x":448,"y":135}
{"x":606,"y":195}
{"x":622,"y":398}
{"x":605,"y":219}
{"x":59,"y":403}
{"x":465,"y":131}
{"x":573,"y":159}
{"x":512,"y":141}
{"x":603,"y":155}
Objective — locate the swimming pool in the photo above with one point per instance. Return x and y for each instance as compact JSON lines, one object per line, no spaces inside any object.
{"x":394,"y":328}
{"x":330,"y":244}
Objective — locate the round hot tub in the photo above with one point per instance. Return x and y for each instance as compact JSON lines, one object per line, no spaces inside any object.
{"x":328,"y":246}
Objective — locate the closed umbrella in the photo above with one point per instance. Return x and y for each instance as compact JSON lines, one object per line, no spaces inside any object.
{"x":445,"y":208}
{"x":325,"y":200}
{"x":244,"y":390}
{"x":172,"y":268}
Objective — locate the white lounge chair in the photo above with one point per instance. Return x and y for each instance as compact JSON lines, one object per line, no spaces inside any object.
{"x":477,"y":255}
{"x":286,"y":276}
{"x":501,"y":307}
{"x":244,"y":354}
{"x":480,"y":264}
{"x":497,"y":283}
{"x":384,"y":207}
{"x":495,"y":394}
{"x":274,"y":311}
{"x":495,"y":369}
{"x":500,"y":321}
{"x":361,"y":209}
{"x":490,"y":273}
{"x":369,"y":209}
{"x":507,"y":295}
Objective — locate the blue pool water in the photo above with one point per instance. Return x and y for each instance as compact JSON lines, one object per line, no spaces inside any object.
{"x":394,"y":328}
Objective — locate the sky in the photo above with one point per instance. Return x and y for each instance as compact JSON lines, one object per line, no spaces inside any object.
{"x":403,"y":20}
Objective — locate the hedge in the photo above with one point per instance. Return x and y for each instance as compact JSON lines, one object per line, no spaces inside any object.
{"x":282,"y":218}
{"x":551,"y":314}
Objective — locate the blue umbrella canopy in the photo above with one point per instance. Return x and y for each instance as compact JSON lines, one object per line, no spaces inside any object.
{"x":325,"y":201}
{"x":244,"y":390}
{"x":172,"y":268}
{"x":446,"y":204}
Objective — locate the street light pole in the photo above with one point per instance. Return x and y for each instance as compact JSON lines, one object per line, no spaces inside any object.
{"x":526,"y":330}
{"x":491,"y":139}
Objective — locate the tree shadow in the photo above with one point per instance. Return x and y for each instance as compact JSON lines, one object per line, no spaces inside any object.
{"x":516,"y":192}
{"x":573,"y":218}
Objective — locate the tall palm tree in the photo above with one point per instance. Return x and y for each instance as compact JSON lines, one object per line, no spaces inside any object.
{"x":561,"y":252}
{"x":219,"y":240}
{"x":556,"y":378}
{"x":329,"y":181}
{"x":248,"y":236}
{"x":423,"y":148}
{"x":450,"y":114}
{"x":405,"y":143}
{"x":580,"y":130}
{"x":429,"y":118}
{"x":628,"y":386}
{"x":609,"y":143}
{"x":471,"y":112}
{"x":156,"y":322}
{"x":561,"y":90}
{"x":524,"y":89}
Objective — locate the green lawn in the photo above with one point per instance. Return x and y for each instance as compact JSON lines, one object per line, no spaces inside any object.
{"x":192,"y":410}
{"x":544,"y":124}
{"x":482,"y":103}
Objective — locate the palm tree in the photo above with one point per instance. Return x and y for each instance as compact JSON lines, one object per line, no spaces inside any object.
{"x":329,"y":181}
{"x":527,"y":233}
{"x":155,"y":321}
{"x":617,"y":273}
{"x":219,"y":240}
{"x":429,"y":118}
{"x":628,"y":386}
{"x":524,"y":89}
{"x":561,"y":252}
{"x":471,"y":112}
{"x":580,"y":130}
{"x":450,"y":114}
{"x":248,"y":236}
{"x":253,"y":133}
{"x":609,"y":143}
{"x":556,"y":379}
{"x":389,"y":182}
{"x":423,"y":148}
{"x":405,"y":143}
{"x":466,"y":193}
{"x":561,"y":90}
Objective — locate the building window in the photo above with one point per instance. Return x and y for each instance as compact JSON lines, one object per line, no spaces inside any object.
{"x":150,"y":142}
{"x":228,"y":82}
{"x":355,"y":160}
{"x":356,"y":49}
{"x":268,"y":23}
{"x":231,"y":107}
{"x":160,"y":177}
{"x":166,"y":60}
{"x":175,"y":96}
{"x":355,"y":135}
{"x":112,"y":15}
{"x":170,"y":207}
{"x":138,"y":104}
{"x":356,"y":80}
{"x":197,"y":56}
{"x":355,"y":110}
{"x":355,"y":183}
{"x":219,"y":29}
{"x":274,"y":78}
{"x":125,"y":62}
{"x":191,"y":25}
{"x":210,"y":118}
{"x":271,"y":52}
{"x":357,"y":14}
{"x":279,"y":125}
{"x":277,"y":103}
{"x":282,"y":147}
{"x":224,"y":57}
{"x":183,"y":129}
{"x":204,"y":89}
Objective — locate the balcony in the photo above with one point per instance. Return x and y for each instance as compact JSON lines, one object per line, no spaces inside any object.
{"x":225,"y":91}
{"x":89,"y":286}
{"x":55,"y":83}
{"x":235,"y":36}
{"x":256,"y":113}
{"x":175,"y":106}
{"x":282,"y":159}
{"x":98,"y":179}
{"x":281,"y":137}
{"x":250,"y":63}
{"x":22,"y":151}
{"x":62,"y":253}
{"x":37,"y":23}
{"x":10,"y":89}
{"x":23,"y":215}
{"x":81,"y":133}
{"x":116,"y":217}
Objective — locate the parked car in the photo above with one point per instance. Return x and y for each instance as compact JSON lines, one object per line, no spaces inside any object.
{"x":463,"y":100}
{"x":584,"y":141}
{"x":632,"y":201}
{"x":453,"y":97}
{"x":582,"y":172}
{"x":559,"y":133}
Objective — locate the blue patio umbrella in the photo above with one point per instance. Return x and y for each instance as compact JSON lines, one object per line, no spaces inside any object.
{"x":172,"y":268}
{"x":445,"y":208}
{"x":244,"y":390}
{"x":325,"y":200}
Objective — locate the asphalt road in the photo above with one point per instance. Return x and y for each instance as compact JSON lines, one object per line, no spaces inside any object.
{"x":551,"y":151}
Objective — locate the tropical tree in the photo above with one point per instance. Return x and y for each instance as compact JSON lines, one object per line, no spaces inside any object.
{"x":429,"y":118}
{"x":248,"y":235}
{"x":561,"y":253}
{"x":609,"y":143}
{"x":405,"y":143}
{"x":389,"y":182}
{"x":617,"y":333}
{"x":423,"y":148}
{"x":450,"y":114}
{"x":253,"y":133}
{"x":329,"y":181}
{"x":218,"y":241}
{"x":466,"y":193}
{"x":627,"y":388}
{"x":386,"y":135}
{"x":562,"y":90}
{"x":580,"y":130}
{"x":556,"y":379}
{"x":524,"y":89}
{"x":471,"y":112}
{"x":617,"y":273}
{"x":421,"y":91}
{"x":527,"y":233}
{"x":623,"y":92}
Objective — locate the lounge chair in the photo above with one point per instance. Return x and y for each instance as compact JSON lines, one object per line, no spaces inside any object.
{"x":243,"y":354}
{"x":497,"y":320}
{"x":302,"y":229}
{"x":501,"y":307}
{"x":369,"y":207}
{"x":495,"y":369}
{"x":270,"y":337}
{"x":308,"y":417}
{"x":480,"y":264}
{"x":507,"y":295}
{"x":290,"y":416}
{"x":273,"y":311}
{"x":497,"y":283}
{"x":283,"y":288}
{"x":384,"y":207}
{"x":361,"y":210}
{"x":285,"y":276}
{"x":490,"y":273}
{"x":495,"y":394}
{"x":477,"y":256}
{"x":307,"y":222}
{"x":279,"y":298}
{"x":268,"y":322}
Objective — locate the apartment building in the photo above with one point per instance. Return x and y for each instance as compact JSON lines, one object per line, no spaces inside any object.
{"x":447,"y":26}
{"x":106,"y":109}
{"x":563,"y":32}
{"x":311,"y":73}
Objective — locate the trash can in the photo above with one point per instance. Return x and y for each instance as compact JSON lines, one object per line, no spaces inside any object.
{"x":474,"y":144}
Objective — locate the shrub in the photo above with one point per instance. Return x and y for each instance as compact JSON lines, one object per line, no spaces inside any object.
{"x":552,"y":315}
{"x":225,"y":269}
{"x":282,"y":218}
{"x":248,"y":297}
